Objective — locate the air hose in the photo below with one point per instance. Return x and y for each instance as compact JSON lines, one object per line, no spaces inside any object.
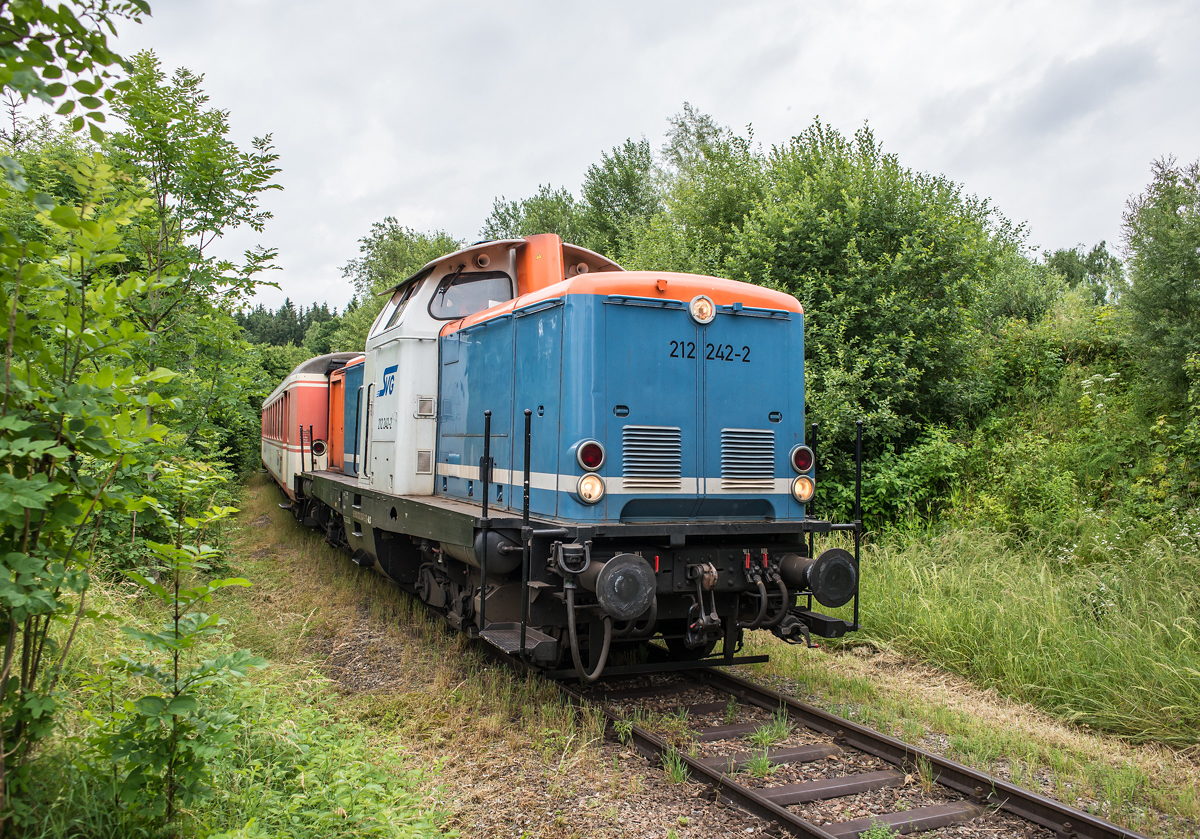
{"x":783,"y":606}
{"x":583,"y":674}
{"x":630,"y":627}
{"x":762,"y":607}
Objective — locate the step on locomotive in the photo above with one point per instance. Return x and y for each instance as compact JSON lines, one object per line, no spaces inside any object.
{"x":568,"y":459}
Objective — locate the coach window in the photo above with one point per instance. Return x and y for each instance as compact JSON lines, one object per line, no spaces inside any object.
{"x":459,"y":295}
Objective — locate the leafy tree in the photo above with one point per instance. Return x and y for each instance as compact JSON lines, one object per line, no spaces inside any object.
{"x":1096,"y":269}
{"x":201,"y":186}
{"x":712,"y":178}
{"x":160,"y":744}
{"x":620,"y":193}
{"x":71,"y":410}
{"x":887,"y":262}
{"x":548,"y":211}
{"x":389,"y":254}
{"x":1162,"y":234}
{"x":72,"y":420}
{"x":46,"y":45}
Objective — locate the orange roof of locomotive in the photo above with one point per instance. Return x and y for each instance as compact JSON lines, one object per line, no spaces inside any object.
{"x":541,"y":276}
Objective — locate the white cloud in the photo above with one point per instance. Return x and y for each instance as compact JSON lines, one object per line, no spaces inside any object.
{"x":427,"y":111}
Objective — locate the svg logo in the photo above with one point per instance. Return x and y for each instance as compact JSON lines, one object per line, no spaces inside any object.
{"x":389,"y":381}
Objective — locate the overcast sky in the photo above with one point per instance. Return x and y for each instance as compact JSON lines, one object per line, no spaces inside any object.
{"x":427,"y":111}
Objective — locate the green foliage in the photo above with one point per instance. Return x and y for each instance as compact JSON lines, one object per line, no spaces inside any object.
{"x":160,"y":744}
{"x":72,"y":425}
{"x":887,"y":262}
{"x":620,"y":194}
{"x":177,"y":152}
{"x":1162,"y":231}
{"x":389,"y":254}
{"x":548,"y":211}
{"x":1017,"y":289}
{"x":287,"y":324}
{"x":47,"y":45}
{"x":1097,"y":270}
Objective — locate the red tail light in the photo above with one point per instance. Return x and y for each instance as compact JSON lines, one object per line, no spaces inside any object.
{"x":802,"y":459}
{"x":590,"y":455}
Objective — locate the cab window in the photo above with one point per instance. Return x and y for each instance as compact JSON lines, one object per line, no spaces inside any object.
{"x":404,"y":295}
{"x":459,"y":295}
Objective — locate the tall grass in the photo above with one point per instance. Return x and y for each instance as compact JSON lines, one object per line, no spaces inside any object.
{"x":1111,"y":644}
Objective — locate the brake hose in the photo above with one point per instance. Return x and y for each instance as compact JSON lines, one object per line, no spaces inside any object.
{"x":762,"y":607}
{"x":583,"y":674}
{"x":783,"y":606}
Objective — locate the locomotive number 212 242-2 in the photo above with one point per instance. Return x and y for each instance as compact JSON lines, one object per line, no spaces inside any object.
{"x":712,"y":352}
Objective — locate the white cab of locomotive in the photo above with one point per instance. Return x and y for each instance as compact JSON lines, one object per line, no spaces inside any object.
{"x":400,"y":373}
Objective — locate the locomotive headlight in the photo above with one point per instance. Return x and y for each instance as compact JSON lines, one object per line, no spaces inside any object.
{"x":590,"y":488}
{"x":702,"y":309}
{"x":803,"y":489}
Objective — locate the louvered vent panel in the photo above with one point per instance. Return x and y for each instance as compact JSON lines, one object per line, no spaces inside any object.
{"x":651,"y":457}
{"x":424,"y":462}
{"x":747,"y":459}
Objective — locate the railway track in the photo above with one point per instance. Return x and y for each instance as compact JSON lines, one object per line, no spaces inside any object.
{"x":820,"y":767}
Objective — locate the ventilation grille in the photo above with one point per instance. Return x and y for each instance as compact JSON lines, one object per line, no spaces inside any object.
{"x":651,"y":457}
{"x":747,"y":459}
{"x":424,"y":462}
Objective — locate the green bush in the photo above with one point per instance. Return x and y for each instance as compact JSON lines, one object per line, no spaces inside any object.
{"x":293,"y":770}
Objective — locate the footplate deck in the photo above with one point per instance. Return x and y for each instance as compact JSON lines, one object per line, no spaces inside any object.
{"x":507,"y":638}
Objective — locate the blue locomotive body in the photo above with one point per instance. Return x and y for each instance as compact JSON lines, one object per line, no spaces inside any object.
{"x":697,"y":421}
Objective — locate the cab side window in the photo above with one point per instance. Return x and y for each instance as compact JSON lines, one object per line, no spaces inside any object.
{"x":405,"y":294}
{"x":459,"y":295}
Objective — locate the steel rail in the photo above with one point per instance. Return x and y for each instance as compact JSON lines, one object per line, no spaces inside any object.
{"x":1065,"y":821}
{"x":750,"y":800}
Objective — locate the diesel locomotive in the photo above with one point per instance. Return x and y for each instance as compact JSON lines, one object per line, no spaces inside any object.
{"x":566,"y":459}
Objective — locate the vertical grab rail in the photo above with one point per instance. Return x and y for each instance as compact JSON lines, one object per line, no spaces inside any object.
{"x":312,"y":455}
{"x":357,"y":419}
{"x":301,"y":447}
{"x":857,"y":511}
{"x":810,"y":509}
{"x":526,"y":537}
{"x":485,"y":474}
